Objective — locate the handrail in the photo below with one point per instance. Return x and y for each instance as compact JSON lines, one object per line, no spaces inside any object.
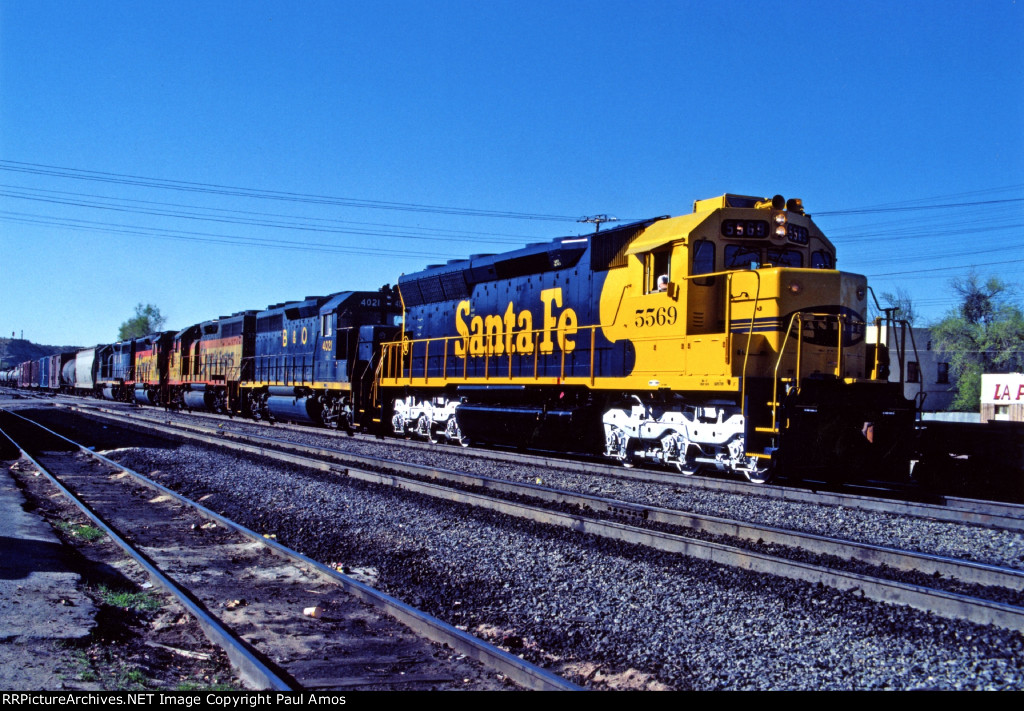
{"x":750,"y":335}
{"x":778,"y":363}
{"x":801,"y":316}
{"x":901,"y":352}
{"x":395,"y":367}
{"x":920,"y":373}
{"x":394,"y":353}
{"x":399,"y":356}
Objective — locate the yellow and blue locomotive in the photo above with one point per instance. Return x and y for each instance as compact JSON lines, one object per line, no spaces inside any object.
{"x":313,"y":361}
{"x":723,"y":339}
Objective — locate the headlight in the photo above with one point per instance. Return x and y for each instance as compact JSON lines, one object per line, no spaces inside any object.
{"x":780,"y":231}
{"x":780,"y":218}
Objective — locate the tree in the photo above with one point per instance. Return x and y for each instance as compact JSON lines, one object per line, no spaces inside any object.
{"x":147,"y":319}
{"x":902,"y":302}
{"x":984,"y":334}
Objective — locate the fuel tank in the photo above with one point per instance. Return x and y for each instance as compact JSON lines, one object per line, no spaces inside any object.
{"x":294,"y":409}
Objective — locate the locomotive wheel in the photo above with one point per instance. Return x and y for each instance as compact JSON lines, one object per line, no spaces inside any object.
{"x":687,"y":468}
{"x":425,"y":429}
{"x":329,"y":414}
{"x":754,"y":473}
{"x":677,"y":448}
{"x":454,"y":433}
{"x":257,"y":408}
{"x":757,"y":476}
{"x":617,"y":446}
{"x":624,"y":455}
{"x":398,"y":424}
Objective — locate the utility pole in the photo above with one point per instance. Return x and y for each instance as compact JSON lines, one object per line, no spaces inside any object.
{"x":597,"y":220}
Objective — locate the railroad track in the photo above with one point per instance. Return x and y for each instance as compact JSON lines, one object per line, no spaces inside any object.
{"x":995,"y":514}
{"x":968,"y":590}
{"x":614,"y":614}
{"x":222,"y":560}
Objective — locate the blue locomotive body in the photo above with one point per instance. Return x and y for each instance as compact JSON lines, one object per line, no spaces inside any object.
{"x":527,"y":311}
{"x":115,"y":369}
{"x":506,"y":348}
{"x":313,"y":358}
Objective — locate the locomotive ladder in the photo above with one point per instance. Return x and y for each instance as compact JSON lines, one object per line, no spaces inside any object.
{"x":794,"y":383}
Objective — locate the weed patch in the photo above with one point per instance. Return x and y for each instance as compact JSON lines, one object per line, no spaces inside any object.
{"x":83,"y":532}
{"x":126,"y":600}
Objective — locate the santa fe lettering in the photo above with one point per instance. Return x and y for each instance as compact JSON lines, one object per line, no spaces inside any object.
{"x":513,"y":332}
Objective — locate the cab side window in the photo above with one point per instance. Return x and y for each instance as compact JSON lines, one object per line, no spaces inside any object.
{"x":822,"y":260}
{"x":703,"y":261}
{"x":656,"y":270}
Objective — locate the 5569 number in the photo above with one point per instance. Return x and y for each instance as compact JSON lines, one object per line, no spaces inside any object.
{"x":661,"y":316}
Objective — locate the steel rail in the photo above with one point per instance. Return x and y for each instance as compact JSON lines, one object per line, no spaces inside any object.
{"x":940,"y":602}
{"x":954,"y":510}
{"x":930,"y":600}
{"x":988,"y":508}
{"x":966,"y":571}
{"x":249,"y":663}
{"x":519,"y":670}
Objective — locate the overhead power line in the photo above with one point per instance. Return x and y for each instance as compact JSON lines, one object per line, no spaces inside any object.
{"x":193,"y":211}
{"x":914,"y":208}
{"x":258,"y":222}
{"x":960,"y":267}
{"x":212,"y":238}
{"x":284,"y":196}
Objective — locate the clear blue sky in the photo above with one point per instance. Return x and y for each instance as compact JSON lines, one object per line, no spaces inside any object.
{"x":547,"y":110}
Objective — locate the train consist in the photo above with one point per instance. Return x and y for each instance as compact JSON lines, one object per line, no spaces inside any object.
{"x":723,"y":339}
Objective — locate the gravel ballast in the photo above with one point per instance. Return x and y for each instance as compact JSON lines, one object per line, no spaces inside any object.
{"x":976,"y":543}
{"x":590,"y":607}
{"x":604,"y":614}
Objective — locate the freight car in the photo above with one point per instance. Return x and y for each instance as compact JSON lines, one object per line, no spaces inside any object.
{"x":9,"y":376}
{"x":58,"y":362}
{"x":82,"y":376}
{"x":721,"y":339}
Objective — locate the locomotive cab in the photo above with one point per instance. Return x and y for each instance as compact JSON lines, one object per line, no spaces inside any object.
{"x":756,"y":312}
